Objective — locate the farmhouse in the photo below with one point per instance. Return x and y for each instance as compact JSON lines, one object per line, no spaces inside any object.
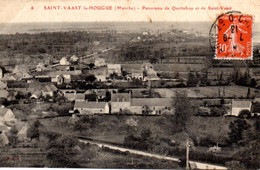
{"x":85,"y":107}
{"x":114,"y":68}
{"x":151,"y":105}
{"x":20,"y":71}
{"x":120,"y":101}
{"x":100,"y":62}
{"x":239,"y":105}
{"x":49,"y":89}
{"x":61,"y":77}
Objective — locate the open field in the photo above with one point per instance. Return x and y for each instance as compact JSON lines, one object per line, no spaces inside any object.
{"x":233,"y":91}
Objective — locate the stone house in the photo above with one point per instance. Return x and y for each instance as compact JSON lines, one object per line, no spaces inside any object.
{"x":154,"y":106}
{"x":120,"y":101}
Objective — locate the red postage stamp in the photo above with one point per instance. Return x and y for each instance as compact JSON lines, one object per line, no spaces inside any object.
{"x":234,"y":37}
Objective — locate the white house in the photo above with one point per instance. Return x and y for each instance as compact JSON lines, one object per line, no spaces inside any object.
{"x":7,"y":116}
{"x":114,"y":68}
{"x":239,"y":105}
{"x":100,"y":62}
{"x":64,"y":61}
{"x":74,"y":58}
{"x":85,"y":107}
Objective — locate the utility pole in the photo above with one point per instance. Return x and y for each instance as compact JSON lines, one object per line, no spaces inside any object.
{"x":187,"y":155}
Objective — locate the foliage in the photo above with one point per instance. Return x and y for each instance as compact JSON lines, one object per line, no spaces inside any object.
{"x":183,"y":111}
{"x":34,"y":130}
{"x":245,"y":113}
{"x":90,"y":78}
{"x":192,"y":80}
{"x":142,"y":142}
{"x":59,"y":153}
{"x":61,"y":108}
{"x":236,"y":130}
{"x":12,"y":137}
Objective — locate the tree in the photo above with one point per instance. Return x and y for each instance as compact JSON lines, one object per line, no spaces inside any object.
{"x":146,"y":110}
{"x":249,"y":154}
{"x":91,"y":65}
{"x":34,"y":130}
{"x":192,"y":80}
{"x":183,"y":111}
{"x":236,"y":130}
{"x":153,"y":60}
{"x":245,"y":113}
{"x":60,"y":152}
{"x":12,"y":137}
{"x":91,"y":78}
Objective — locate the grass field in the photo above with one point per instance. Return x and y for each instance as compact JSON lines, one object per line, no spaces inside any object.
{"x":233,"y":91}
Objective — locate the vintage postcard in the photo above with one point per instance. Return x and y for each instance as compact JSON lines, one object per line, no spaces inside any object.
{"x":130,"y":84}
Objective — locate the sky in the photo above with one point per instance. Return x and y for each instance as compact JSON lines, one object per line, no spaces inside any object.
{"x":17,"y":11}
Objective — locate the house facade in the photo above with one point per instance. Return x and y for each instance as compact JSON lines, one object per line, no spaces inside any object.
{"x":152,"y":106}
{"x":114,"y":68}
{"x":239,"y":105}
{"x":85,"y":107}
{"x":100,"y":62}
{"x":120,"y":101}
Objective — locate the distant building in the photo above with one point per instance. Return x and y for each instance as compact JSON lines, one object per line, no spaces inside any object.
{"x":101,"y":78}
{"x":75,"y":96}
{"x":7,"y":116}
{"x":63,"y":77}
{"x":239,"y":105}
{"x":40,"y":67}
{"x":74,"y":59}
{"x":151,"y":105}
{"x":101,"y":94}
{"x":3,"y":85}
{"x":137,"y":74}
{"x":49,"y":89}
{"x":36,"y":95}
{"x":85,"y":107}
{"x":64,"y":61}
{"x":100,"y":62}
{"x":21,"y":71}
{"x":3,"y":94}
{"x":114,"y":68}
{"x":151,"y":74}
{"x":120,"y":101}
{"x":55,"y":75}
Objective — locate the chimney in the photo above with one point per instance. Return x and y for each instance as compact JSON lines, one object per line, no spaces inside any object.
{"x":96,"y":100}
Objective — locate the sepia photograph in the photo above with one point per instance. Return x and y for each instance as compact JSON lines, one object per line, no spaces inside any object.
{"x":127,"y":84}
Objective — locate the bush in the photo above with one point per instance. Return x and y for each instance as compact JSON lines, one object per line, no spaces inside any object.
{"x":244,"y":114}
